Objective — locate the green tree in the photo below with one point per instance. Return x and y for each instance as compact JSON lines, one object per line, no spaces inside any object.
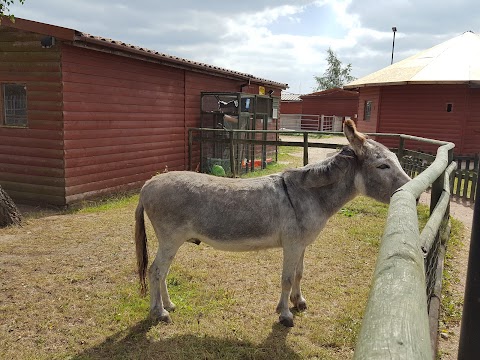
{"x":335,"y":75}
{"x":4,"y":7}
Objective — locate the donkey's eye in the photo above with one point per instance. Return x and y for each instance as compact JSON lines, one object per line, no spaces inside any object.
{"x":383,"y":166}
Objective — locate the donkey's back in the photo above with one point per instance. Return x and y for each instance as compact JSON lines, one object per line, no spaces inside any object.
{"x":230,"y":214}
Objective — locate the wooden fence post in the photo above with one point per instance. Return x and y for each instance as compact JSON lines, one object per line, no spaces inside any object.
{"x":232,"y":155}
{"x":305,"y":148}
{"x":469,"y":347}
{"x":395,"y":323}
{"x":190,"y":144}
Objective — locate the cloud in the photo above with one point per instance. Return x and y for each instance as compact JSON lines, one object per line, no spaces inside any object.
{"x":280,"y":40}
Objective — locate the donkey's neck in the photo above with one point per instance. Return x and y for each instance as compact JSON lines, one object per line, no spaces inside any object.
{"x":330,"y":183}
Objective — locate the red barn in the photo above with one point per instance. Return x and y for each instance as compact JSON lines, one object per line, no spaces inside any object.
{"x":82,"y":115}
{"x":306,"y":111}
{"x":336,"y":101}
{"x":433,"y":94}
{"x":291,"y":103}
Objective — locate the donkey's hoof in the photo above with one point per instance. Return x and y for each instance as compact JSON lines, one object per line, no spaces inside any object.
{"x":171,"y":307}
{"x":301,"y":306}
{"x":286,"y":321}
{"x":163,"y":316}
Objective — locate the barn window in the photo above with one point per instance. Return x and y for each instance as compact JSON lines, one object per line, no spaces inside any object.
{"x":449,"y":107}
{"x":367,"y":110}
{"x":14,"y":110}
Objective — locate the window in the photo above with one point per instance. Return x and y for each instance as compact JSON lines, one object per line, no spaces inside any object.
{"x":14,"y":99}
{"x":449,"y":107}
{"x":367,"y":110}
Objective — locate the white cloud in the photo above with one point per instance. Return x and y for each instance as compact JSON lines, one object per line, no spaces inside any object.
{"x":281,"y":40}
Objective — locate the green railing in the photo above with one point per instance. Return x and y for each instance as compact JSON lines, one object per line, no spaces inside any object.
{"x":396,"y":322}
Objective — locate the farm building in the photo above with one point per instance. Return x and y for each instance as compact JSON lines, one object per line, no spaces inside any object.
{"x":338,"y":102}
{"x":291,"y":103}
{"x":308,"y":109}
{"x":83,"y":115}
{"x":433,"y":94}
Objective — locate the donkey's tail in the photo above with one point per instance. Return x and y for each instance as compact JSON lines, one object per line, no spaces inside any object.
{"x":141,"y":247}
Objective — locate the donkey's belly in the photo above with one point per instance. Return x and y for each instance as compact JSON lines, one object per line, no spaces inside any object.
{"x":244,"y":244}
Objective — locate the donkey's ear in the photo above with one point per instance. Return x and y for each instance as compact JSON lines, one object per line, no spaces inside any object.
{"x":355,"y":138}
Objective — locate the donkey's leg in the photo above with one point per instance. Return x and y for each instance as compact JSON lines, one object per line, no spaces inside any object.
{"x":160,"y":301}
{"x":296,"y":296}
{"x":291,"y":257}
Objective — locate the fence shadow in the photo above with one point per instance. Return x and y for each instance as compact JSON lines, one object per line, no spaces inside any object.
{"x":134,"y":343}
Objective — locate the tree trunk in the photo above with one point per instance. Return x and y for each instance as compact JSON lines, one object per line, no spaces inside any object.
{"x":9,"y":213}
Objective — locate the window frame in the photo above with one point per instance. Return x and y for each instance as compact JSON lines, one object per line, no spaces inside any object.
{"x":367,"y":110}
{"x":23,"y":123}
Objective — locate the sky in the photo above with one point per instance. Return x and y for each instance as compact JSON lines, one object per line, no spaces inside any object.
{"x":279,"y":40}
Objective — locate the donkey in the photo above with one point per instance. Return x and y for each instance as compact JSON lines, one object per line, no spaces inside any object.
{"x":286,"y":210}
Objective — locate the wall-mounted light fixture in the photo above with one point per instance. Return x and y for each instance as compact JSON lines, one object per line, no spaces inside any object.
{"x":47,"y":42}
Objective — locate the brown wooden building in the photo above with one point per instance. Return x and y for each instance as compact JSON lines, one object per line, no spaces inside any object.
{"x":328,"y":102}
{"x":291,"y":103}
{"x":334,"y":101}
{"x":83,"y":115}
{"x":434,"y":94}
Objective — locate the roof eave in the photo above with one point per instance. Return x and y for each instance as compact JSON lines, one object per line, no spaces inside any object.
{"x":97,"y":44}
{"x":78,"y":38}
{"x":422,"y":82}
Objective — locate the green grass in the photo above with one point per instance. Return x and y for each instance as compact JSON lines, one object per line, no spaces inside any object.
{"x":311,"y":136}
{"x":285,"y":161}
{"x":464,"y":187}
{"x":76,"y":296}
{"x":452,"y":299}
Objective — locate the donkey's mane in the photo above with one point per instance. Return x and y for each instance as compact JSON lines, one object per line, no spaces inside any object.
{"x":323,"y":172}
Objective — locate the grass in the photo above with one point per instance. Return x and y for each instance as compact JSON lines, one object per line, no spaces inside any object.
{"x":463,"y":187}
{"x":69,"y":290}
{"x":452,"y":298}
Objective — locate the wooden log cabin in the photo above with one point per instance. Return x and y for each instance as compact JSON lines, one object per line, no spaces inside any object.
{"x":82,"y":116}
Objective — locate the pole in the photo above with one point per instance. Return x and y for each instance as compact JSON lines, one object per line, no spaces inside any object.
{"x":469,"y":347}
{"x":394,"y":29}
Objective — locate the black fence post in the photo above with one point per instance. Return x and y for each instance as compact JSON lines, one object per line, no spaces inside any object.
{"x":305,"y":148}
{"x":469,"y":347}
{"x":401,"y":149}
{"x":232,"y":154}
{"x":190,"y":144}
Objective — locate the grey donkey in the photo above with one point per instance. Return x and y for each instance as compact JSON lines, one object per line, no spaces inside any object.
{"x":286,"y":210}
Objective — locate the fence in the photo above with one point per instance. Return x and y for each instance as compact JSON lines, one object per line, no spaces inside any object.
{"x":299,"y":122}
{"x":406,"y":276}
{"x":401,"y":317}
{"x":464,"y":177}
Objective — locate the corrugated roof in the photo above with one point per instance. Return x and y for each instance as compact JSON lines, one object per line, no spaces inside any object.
{"x":79,"y":38}
{"x":334,"y":92}
{"x":453,"y":61}
{"x":286,"y":96}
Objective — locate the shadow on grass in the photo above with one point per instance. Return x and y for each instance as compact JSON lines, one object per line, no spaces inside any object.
{"x":135,"y":344}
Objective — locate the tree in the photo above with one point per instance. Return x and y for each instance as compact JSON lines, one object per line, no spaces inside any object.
{"x":335,"y":75}
{"x":9,"y":214}
{"x":4,"y":7}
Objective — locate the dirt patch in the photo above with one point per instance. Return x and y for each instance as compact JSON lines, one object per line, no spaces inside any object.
{"x":317,"y":154}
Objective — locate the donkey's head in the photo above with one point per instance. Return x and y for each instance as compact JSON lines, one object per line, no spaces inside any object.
{"x":379,"y":173}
